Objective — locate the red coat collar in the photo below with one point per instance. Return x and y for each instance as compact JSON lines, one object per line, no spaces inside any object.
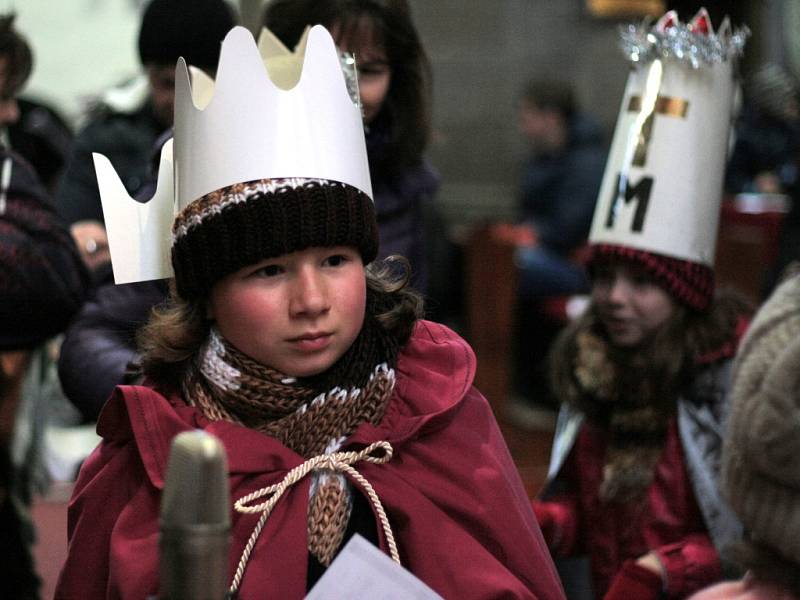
{"x":434,"y":372}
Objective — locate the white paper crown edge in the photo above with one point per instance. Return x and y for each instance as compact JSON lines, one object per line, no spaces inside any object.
{"x":139,"y":233}
{"x":253,"y":130}
{"x":226,"y":134}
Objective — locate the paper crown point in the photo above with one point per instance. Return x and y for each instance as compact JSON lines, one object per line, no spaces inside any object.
{"x":701,"y":23}
{"x":128,"y":222}
{"x":283,"y":65}
{"x":303,"y":124}
{"x":668,"y":20}
{"x":270,"y":114}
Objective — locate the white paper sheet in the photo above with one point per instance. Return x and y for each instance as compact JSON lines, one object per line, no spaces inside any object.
{"x":363,"y":572}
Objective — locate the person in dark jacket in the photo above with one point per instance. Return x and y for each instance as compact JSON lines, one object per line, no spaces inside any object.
{"x":99,"y":348}
{"x":42,"y":284}
{"x":559,"y":187}
{"x":124,"y":125}
{"x":766,"y":134}
{"x":558,"y":191}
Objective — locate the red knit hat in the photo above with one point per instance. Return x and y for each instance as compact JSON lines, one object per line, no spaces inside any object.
{"x":690,"y":283}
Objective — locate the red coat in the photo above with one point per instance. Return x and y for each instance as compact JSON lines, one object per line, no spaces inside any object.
{"x":668,"y":522}
{"x":455,"y":501}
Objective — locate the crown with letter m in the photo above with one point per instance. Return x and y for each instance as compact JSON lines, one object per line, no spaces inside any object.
{"x":662,"y":186}
{"x":270,"y":114}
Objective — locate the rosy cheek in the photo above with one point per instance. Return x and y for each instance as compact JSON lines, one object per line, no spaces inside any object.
{"x":243,"y":307}
{"x":253,"y":304}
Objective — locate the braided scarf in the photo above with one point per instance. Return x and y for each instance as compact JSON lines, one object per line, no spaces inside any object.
{"x":311,"y":416}
{"x":635,"y":423}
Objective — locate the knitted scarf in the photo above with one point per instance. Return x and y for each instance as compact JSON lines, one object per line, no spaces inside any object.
{"x":310,"y":416}
{"x":635,"y":422}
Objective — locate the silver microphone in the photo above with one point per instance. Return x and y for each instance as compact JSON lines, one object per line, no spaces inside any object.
{"x":195,"y":520}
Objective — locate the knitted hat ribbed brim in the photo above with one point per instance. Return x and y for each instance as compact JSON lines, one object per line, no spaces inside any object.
{"x":690,"y":283}
{"x":245,"y":223}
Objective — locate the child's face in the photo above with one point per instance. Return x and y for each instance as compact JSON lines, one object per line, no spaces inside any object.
{"x":631,"y":306}
{"x":374,"y":71}
{"x":298,"y":313}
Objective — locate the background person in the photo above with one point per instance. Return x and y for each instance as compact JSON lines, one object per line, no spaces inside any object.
{"x":125,"y":123}
{"x":644,"y":374}
{"x":42,"y":285}
{"x":559,"y":189}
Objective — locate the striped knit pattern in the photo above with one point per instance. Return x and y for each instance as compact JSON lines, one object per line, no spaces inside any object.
{"x":248,"y":222}
{"x":688,"y":282}
{"x":310,"y":419}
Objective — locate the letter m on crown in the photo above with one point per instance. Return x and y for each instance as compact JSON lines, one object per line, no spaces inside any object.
{"x":626,"y":193}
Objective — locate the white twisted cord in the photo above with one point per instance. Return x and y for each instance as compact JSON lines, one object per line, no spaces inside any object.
{"x":336,"y":461}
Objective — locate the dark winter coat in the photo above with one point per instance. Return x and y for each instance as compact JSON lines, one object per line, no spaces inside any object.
{"x":559,"y":190}
{"x":100,"y":343}
{"x":42,"y":279}
{"x":127,"y":140}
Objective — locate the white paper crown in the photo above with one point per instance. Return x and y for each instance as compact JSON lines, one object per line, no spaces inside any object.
{"x":270,"y":114}
{"x":662,"y":186}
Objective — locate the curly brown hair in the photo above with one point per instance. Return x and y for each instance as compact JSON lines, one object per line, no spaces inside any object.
{"x":176,"y":330}
{"x":664,"y":367}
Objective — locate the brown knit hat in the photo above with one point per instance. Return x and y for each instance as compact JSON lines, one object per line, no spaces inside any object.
{"x":244,"y":223}
{"x":760,"y":461}
{"x":690,"y":283}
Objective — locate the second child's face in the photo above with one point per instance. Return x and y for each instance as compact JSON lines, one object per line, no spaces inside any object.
{"x":298,"y":313}
{"x":631,"y":306}
{"x":374,"y":71}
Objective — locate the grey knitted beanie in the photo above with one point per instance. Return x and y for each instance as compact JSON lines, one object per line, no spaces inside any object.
{"x":761,"y":454}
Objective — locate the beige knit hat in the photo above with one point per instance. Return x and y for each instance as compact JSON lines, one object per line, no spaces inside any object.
{"x":761,"y":454}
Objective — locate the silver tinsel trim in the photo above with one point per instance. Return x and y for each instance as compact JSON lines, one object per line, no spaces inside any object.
{"x":350,"y":70}
{"x":642,"y":43}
